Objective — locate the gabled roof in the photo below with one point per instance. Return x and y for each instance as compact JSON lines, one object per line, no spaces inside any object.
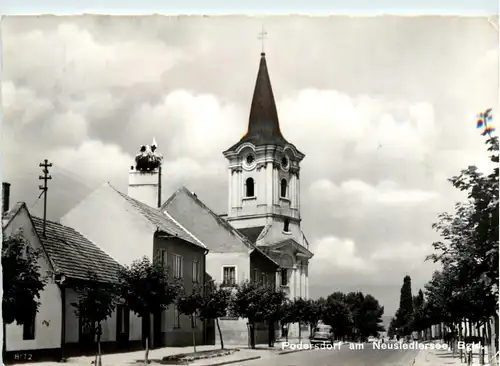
{"x":251,"y":233}
{"x":69,"y":252}
{"x":287,"y":242}
{"x":164,"y":223}
{"x":263,"y":123}
{"x":222,"y":223}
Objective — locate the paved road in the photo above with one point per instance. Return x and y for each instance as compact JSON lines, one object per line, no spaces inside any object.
{"x":340,"y":357}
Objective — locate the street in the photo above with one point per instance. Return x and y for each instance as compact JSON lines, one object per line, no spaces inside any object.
{"x":343,"y":357}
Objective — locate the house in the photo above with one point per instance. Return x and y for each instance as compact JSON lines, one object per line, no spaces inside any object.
{"x":66,"y":259}
{"x":232,"y":257}
{"x":129,"y":229}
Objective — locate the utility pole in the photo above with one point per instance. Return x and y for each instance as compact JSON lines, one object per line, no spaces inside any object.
{"x":45,"y":177}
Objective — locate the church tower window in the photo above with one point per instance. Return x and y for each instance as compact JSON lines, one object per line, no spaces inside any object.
{"x":249,"y":187}
{"x":283,"y":188}
{"x":286,"y":226}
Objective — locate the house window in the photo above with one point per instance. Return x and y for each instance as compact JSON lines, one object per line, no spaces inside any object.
{"x":249,"y":187}
{"x":229,"y":275}
{"x":122,"y":314}
{"x":177,"y":266}
{"x":286,"y":226}
{"x":163,"y":257}
{"x":177,"y":318}
{"x":284,"y":277}
{"x":255,"y":275}
{"x":29,"y":328}
{"x":264,"y":279}
{"x":283,"y":187}
{"x":196,"y":271}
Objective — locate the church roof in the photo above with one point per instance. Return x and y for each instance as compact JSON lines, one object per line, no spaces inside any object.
{"x":263,"y":123}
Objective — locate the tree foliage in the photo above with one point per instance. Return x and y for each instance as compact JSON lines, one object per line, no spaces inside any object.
{"x":22,"y":279}
{"x":404,"y":313}
{"x":96,"y":302}
{"x":147,"y":287}
{"x":466,"y":286}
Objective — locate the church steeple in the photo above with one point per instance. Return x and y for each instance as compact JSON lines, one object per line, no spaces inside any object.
{"x":263,"y":123}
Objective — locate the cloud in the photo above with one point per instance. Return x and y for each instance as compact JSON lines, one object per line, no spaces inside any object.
{"x":385,"y":114}
{"x":339,"y":253}
{"x":70,"y":59}
{"x":359,"y":195}
{"x":92,"y":160}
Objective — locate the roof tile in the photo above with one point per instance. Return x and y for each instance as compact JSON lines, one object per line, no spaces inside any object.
{"x":73,"y":254}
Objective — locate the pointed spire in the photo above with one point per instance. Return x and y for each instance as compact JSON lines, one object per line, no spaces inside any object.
{"x":154,"y":143}
{"x":263,"y":124}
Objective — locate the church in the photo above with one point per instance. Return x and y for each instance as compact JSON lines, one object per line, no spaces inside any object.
{"x":259,"y":239}
{"x":264,"y":189}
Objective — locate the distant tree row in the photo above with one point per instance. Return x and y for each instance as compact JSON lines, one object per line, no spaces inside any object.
{"x":465,"y":289}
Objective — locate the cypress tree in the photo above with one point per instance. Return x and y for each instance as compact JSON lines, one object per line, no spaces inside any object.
{"x":405,"y":310}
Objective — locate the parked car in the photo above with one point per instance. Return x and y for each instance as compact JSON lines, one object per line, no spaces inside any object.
{"x":372,"y":340}
{"x":322,"y":334}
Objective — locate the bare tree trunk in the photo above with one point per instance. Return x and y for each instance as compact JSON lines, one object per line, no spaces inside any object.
{"x":220,"y":333}
{"x":99,"y":353}
{"x":252,"y":335}
{"x":146,"y":356}
{"x":460,"y":338}
{"x":193,"y":333}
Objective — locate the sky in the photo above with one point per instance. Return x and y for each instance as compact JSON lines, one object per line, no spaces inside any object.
{"x":383,"y":107}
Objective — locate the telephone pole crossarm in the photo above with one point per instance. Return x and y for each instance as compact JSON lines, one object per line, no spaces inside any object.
{"x":45,"y":177}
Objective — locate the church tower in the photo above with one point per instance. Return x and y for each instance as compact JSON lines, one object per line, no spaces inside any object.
{"x":264,"y":179}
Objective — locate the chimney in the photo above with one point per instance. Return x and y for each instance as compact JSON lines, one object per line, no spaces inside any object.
{"x":144,"y":181}
{"x":5,"y":197}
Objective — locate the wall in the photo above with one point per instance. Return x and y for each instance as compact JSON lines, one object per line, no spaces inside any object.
{"x":108,"y":327}
{"x":101,"y":218}
{"x":235,"y":332}
{"x":215,"y":261}
{"x":181,"y":336}
{"x":262,"y":265}
{"x":203,"y":224}
{"x":143,"y":186}
{"x":48,"y":320}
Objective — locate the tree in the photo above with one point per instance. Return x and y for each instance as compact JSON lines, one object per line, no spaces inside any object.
{"x":370,"y":317}
{"x":337,"y":315}
{"x":469,"y":249}
{"x":354,"y":301}
{"x":273,"y":306}
{"x":22,"y":281}
{"x":248,"y":302}
{"x":405,"y":310}
{"x":190,"y":304}
{"x":148,"y":288}
{"x":316,"y":310}
{"x":301,"y":314}
{"x":96,"y":302}
{"x":216,"y":302}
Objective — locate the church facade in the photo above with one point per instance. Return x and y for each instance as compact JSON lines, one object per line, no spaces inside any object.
{"x":264,"y":190}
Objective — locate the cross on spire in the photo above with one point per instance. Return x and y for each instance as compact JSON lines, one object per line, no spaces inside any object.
{"x":262,"y":37}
